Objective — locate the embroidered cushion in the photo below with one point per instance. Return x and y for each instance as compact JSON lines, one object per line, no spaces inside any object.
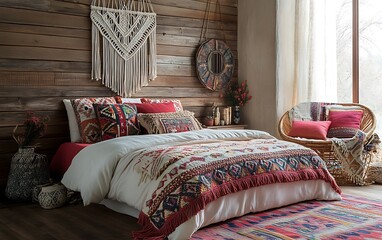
{"x":155,"y":107}
{"x":310,"y":129}
{"x":345,"y":123}
{"x":87,"y":119}
{"x":169,"y":122}
{"x":116,"y":120}
{"x":177,"y":104}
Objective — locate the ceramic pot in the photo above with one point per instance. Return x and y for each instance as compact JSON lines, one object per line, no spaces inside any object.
{"x":53,"y":196}
{"x":36,"y":191}
{"x":209,"y":121}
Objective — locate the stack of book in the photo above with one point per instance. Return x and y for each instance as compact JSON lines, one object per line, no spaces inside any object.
{"x":227,"y":115}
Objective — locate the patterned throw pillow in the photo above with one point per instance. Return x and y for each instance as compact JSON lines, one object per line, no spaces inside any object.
{"x":87,"y":119}
{"x":169,"y":122}
{"x":345,"y":123}
{"x":177,"y":104}
{"x":116,"y":120}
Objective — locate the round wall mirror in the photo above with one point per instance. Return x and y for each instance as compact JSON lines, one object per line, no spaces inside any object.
{"x":214,"y":64}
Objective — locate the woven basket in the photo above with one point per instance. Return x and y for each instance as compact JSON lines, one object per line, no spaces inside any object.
{"x":375,"y":172}
{"x":52,"y":196}
{"x":324,"y":147}
{"x":28,"y":169}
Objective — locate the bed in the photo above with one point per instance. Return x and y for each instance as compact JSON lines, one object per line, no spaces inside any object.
{"x":64,"y":157}
{"x":177,"y":183}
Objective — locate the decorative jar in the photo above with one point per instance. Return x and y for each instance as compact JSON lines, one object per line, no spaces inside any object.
{"x":28,"y":169}
{"x":236,"y":114}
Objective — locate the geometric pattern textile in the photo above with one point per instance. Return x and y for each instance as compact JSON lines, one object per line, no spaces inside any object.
{"x":172,"y":122}
{"x":116,"y":120}
{"x":354,"y":161}
{"x":193,"y":174}
{"x":87,"y":119}
{"x":342,"y":132}
{"x":352,"y":218}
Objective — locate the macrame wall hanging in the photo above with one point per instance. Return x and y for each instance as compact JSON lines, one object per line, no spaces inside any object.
{"x":123,"y":44}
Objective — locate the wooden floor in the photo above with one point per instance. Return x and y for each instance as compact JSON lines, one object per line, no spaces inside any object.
{"x":20,"y":221}
{"x":373,"y":191}
{"x":70,"y":222}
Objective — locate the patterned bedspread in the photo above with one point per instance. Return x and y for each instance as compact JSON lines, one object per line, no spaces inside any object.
{"x":196,"y":173}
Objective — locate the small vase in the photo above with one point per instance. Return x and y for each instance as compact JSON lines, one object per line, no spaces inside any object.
{"x":236,"y":114}
{"x":37,"y":189}
{"x":53,"y":196}
{"x":208,"y":121}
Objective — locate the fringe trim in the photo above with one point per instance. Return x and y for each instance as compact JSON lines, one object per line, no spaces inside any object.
{"x":149,"y":231}
{"x":125,"y":75}
{"x":357,"y":172}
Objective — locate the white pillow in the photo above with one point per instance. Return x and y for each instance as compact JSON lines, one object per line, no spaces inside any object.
{"x":340,"y":107}
{"x":131,"y":100}
{"x":73,"y":126}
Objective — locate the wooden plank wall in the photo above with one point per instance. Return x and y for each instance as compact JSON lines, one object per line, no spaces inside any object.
{"x":45,"y":49}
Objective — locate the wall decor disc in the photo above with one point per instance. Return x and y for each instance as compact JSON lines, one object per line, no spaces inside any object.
{"x":214,"y":64}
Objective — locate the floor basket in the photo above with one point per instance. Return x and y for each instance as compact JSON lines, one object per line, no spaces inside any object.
{"x":375,"y":172}
{"x":28,"y":169}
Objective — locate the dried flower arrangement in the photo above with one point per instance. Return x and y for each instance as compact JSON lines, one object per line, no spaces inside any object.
{"x":237,"y":94}
{"x":35,"y":127}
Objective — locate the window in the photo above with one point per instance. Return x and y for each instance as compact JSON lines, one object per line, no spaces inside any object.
{"x":359,"y":54}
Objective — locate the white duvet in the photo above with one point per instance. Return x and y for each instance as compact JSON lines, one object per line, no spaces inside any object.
{"x":104,"y":170}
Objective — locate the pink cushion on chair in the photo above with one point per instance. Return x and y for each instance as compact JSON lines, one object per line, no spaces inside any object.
{"x":345,"y":123}
{"x":310,"y":129}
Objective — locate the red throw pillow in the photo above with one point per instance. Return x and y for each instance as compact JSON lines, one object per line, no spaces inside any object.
{"x":310,"y":129}
{"x":345,"y":123}
{"x":63,"y":158}
{"x":155,"y":107}
{"x":177,"y":104}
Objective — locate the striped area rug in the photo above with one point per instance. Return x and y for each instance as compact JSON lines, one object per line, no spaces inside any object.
{"x":352,"y":218}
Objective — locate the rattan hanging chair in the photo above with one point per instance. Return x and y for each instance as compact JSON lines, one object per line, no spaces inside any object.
{"x":324,"y":147}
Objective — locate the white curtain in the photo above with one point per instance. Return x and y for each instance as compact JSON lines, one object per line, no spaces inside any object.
{"x":306,"y":52}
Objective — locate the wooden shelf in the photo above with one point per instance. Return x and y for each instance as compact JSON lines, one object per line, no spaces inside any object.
{"x":238,"y":126}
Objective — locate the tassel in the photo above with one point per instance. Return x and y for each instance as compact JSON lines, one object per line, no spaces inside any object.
{"x":96,"y":63}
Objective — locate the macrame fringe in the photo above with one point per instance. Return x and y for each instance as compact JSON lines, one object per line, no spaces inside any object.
{"x":149,"y":231}
{"x":128,"y":62}
{"x":356,"y":171}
